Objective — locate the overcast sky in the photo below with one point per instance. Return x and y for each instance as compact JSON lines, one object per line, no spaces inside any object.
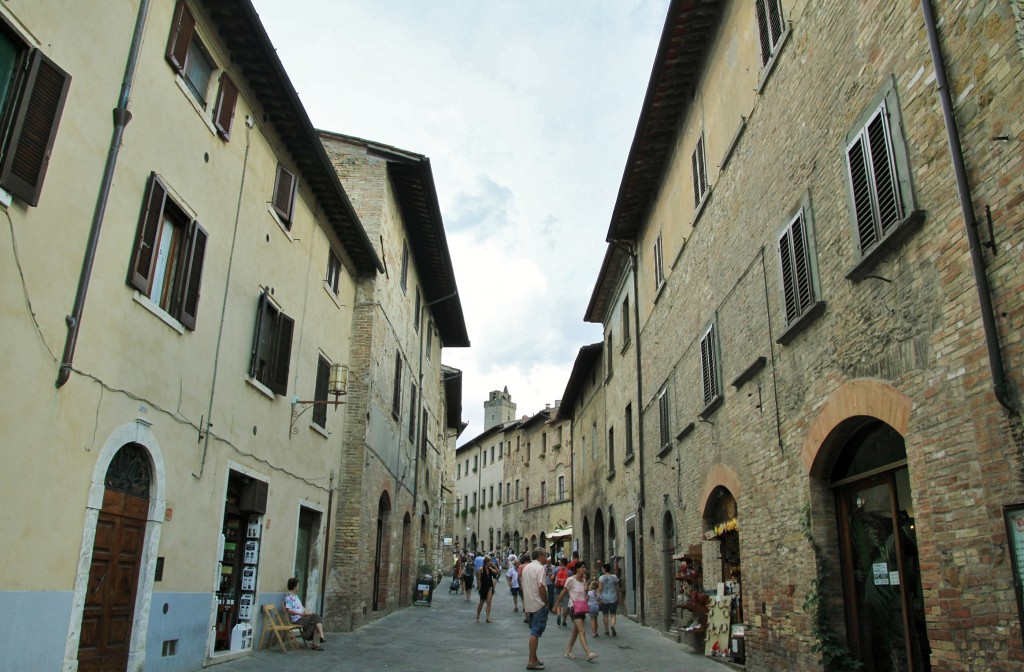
{"x":526,"y":110}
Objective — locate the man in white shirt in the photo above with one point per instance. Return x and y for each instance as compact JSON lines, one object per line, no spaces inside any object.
{"x":535,"y":602}
{"x":513,"y":583}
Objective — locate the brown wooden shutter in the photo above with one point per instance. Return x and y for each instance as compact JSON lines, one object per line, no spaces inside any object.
{"x":284,"y":192}
{"x":259,"y":338}
{"x":192,"y":275}
{"x":225,"y":111}
{"x":35,"y":128}
{"x":282,"y":354}
{"x":141,"y":270}
{"x":323,"y":379}
{"x":181,"y":36}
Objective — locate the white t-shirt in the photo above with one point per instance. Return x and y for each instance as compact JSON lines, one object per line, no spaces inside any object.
{"x":531,"y":579}
{"x":513,"y":576}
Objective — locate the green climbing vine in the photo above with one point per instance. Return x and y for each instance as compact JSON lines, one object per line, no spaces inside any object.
{"x":835,"y":657}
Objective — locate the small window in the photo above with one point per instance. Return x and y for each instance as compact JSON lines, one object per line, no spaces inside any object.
{"x":272,"y":346}
{"x":419,"y":304}
{"x":430,"y":338}
{"x":284,"y":195}
{"x":769,"y":27}
{"x":333,"y":272}
{"x":423,"y":434}
{"x":629,"y":430}
{"x":611,"y":355}
{"x":167,"y":258}
{"x":323,"y":377}
{"x":700,"y":173}
{"x":874,"y":182}
{"x":458,"y":470}
{"x":561,"y":488}
{"x":663,"y":420}
{"x":396,"y":397}
{"x":517,"y":488}
{"x":412,"y":411}
{"x":795,"y":261}
{"x":659,"y":263}
{"x":405,"y":266}
{"x":624,"y":320}
{"x":543,"y":492}
{"x":33,"y":91}
{"x":484,"y":464}
{"x":709,"y":365}
{"x":611,"y":449}
{"x":527,"y":503}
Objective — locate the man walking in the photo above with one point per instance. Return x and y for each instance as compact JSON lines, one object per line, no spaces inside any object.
{"x":535,"y":602}
{"x":513,"y":583}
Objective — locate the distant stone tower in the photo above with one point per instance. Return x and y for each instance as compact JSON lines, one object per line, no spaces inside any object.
{"x":499,"y":409}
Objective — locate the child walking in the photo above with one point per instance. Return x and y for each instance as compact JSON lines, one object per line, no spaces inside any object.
{"x":592,"y":606}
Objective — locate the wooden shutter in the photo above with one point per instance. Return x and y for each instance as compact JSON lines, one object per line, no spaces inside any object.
{"x":225,"y":110}
{"x":181,"y":36}
{"x":883,"y":171}
{"x":284,"y":193}
{"x":192,"y":275}
{"x":860,"y":189}
{"x":141,"y":270}
{"x":709,"y":372}
{"x":323,"y":377}
{"x":663,"y":419}
{"x":261,"y":335}
{"x":282,"y":354}
{"x":36,"y":118}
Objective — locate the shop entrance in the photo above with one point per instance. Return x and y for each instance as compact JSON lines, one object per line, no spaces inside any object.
{"x":878,"y":547}
{"x":722,"y":575}
{"x":242,"y":527}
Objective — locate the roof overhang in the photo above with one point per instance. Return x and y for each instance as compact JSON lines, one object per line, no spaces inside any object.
{"x":585,"y":361}
{"x":688,"y":30}
{"x":616,"y":260}
{"x":452,"y":379}
{"x":241,"y":30}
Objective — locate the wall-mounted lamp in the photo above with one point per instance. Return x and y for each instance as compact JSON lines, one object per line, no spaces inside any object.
{"x":337,"y":387}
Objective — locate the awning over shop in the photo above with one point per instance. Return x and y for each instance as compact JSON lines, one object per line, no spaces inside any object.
{"x":560,"y":534}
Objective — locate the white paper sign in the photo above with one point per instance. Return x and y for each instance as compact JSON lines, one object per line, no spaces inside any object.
{"x":894,"y":578}
{"x":880,"y":570}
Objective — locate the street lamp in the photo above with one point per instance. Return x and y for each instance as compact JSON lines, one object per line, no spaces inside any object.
{"x":337,"y":387}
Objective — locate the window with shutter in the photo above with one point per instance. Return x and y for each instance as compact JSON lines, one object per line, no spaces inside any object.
{"x":709,"y":366}
{"x":272,"y":344}
{"x":412,"y":412}
{"x":769,"y":27}
{"x":663,"y":420}
{"x":323,"y":377}
{"x":405,"y":266}
{"x":700,"y":173}
{"x":629,"y":430}
{"x":188,"y":55}
{"x":659,"y":263}
{"x":333,"y":272}
{"x":284,"y":195}
{"x":168,"y":256}
{"x":423,"y":436}
{"x":33,"y":90}
{"x":795,"y":262}
{"x":396,"y":398}
{"x":224,"y":111}
{"x":871,"y":163}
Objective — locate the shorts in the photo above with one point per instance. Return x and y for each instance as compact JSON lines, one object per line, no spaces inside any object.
{"x":538,"y":622}
{"x":514,"y":591}
{"x":468,"y":581}
{"x":610,"y":608}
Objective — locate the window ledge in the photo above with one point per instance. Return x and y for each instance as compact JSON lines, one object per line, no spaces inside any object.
{"x":260,"y":387}
{"x":334,"y":297}
{"x":685,"y":431}
{"x":322,"y":431}
{"x":752,"y":370}
{"x":611,"y":475}
{"x":701,"y":208}
{"x":869,"y":261}
{"x":164,"y":316}
{"x":660,"y":290}
{"x":665,"y":450}
{"x":196,"y":105}
{"x":609,"y":377}
{"x":732,"y":143}
{"x":630,"y":456}
{"x":766,"y":71}
{"x":801,"y":323}
{"x":625,"y":346}
{"x":280,"y":222}
{"x":712,"y":406}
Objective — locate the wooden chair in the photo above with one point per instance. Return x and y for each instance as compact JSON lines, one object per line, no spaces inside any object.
{"x":274,"y":625}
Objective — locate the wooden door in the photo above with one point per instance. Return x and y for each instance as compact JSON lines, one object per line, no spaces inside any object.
{"x":113,"y":583}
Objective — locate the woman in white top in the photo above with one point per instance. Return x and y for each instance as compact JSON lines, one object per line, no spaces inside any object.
{"x":576,"y":589}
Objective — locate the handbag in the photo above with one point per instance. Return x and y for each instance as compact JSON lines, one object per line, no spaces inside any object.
{"x":579,"y":607}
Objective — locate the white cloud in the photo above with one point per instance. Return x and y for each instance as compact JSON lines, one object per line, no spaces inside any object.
{"x":526,"y":110}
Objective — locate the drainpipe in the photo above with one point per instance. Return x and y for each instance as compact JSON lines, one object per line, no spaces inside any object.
{"x":630,"y":249}
{"x":995,"y":356}
{"x":121,"y":118}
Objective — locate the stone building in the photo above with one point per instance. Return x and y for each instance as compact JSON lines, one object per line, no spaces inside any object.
{"x":821,"y":212}
{"x":399,"y":422}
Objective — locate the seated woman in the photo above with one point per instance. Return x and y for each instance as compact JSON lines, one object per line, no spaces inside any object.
{"x":312,"y":628}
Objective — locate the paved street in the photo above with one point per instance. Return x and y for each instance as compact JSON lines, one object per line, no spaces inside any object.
{"x":445,"y":636}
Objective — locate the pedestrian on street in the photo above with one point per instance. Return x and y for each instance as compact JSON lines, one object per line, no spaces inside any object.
{"x":593,"y":606}
{"x":513,"y":582}
{"x":536,"y":602}
{"x":487,"y":574}
{"x":467,"y":574}
{"x":609,"y":598}
{"x":575,"y":591}
{"x":312,"y":628}
{"x":561,"y":576}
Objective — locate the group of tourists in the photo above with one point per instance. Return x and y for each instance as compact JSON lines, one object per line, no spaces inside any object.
{"x":565,"y":587}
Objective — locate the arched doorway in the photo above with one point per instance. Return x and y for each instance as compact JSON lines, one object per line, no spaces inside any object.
{"x":585,"y":551}
{"x":472,"y":542}
{"x":109,"y":610}
{"x":878,"y":546}
{"x":599,"y":547}
{"x":382,"y":554}
{"x":722,"y":535}
{"x":543,"y":543}
{"x":404,"y":586}
{"x":668,"y":549}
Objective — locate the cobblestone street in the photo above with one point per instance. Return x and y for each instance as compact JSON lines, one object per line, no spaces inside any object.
{"x":445,"y":636}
